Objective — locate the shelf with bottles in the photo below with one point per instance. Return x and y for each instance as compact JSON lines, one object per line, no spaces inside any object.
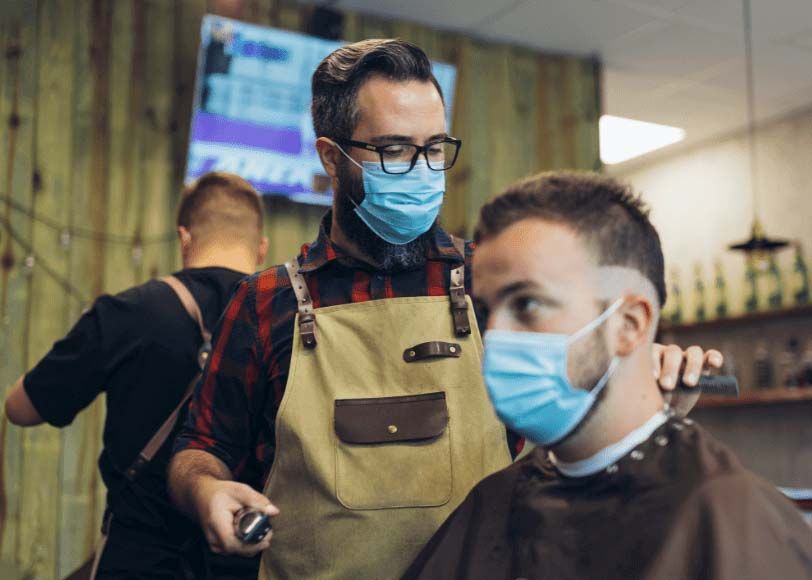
{"x":757,"y":397}
{"x":769,"y":294}
{"x":746,"y":318}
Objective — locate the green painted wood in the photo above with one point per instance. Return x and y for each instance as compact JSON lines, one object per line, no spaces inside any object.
{"x":481,"y":117}
{"x":136,"y":184}
{"x":81,"y":510}
{"x":156,"y":155}
{"x":56,"y":26}
{"x":288,"y":15}
{"x":186,"y":20}
{"x":18,"y":81}
{"x":453,"y":211}
{"x":126,"y":99}
{"x":523,"y":89}
{"x":259,"y":11}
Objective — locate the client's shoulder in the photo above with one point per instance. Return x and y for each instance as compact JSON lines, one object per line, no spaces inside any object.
{"x":696,"y":453}
{"x":708,"y":470}
{"x":533,"y":465}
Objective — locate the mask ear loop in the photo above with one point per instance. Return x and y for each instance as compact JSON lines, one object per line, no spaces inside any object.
{"x":340,"y":148}
{"x":358,"y":165}
{"x":589,"y":327}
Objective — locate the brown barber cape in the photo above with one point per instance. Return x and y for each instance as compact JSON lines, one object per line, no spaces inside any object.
{"x":680,"y":506}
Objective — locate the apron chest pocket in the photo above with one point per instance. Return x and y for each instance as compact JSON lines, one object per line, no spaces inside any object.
{"x":393,"y":452}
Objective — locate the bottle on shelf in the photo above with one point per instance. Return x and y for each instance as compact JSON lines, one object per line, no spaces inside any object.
{"x":721,"y":291}
{"x":806,"y":365}
{"x":775,"y":286}
{"x":729,"y":364}
{"x":675,"y":297}
{"x":790,"y":364}
{"x":800,"y":277}
{"x":763,"y":366}
{"x":751,"y":281}
{"x":700,"y":311}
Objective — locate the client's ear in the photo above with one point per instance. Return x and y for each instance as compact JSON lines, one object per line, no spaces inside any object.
{"x":637,"y":326}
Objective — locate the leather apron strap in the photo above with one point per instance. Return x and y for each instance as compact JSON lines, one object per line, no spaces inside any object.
{"x":162,"y":434}
{"x":106,"y":522}
{"x":459,"y":307}
{"x":307,"y":316}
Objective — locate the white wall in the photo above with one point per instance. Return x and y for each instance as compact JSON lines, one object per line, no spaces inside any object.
{"x":701,"y":201}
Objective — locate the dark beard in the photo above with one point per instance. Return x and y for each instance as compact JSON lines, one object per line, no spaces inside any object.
{"x":384,"y":255}
{"x":592,"y":366}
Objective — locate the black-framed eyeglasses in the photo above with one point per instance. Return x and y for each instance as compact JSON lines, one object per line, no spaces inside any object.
{"x":399,"y":158}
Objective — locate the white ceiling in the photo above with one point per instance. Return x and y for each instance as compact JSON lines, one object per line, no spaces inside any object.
{"x":676,"y":62}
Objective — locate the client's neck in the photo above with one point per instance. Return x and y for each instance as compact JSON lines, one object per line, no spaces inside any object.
{"x":234,"y":257}
{"x":632,"y":397}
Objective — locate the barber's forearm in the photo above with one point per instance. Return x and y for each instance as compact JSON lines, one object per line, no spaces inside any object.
{"x":19,"y":408}
{"x":189,"y":472}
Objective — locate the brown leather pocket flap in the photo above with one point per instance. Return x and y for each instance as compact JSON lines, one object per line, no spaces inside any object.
{"x":391,"y":419}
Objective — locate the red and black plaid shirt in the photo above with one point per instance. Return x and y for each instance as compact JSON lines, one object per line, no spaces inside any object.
{"x":233,"y":410}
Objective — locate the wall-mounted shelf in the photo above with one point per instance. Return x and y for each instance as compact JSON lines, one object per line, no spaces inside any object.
{"x":743,"y":319}
{"x":754,"y":398}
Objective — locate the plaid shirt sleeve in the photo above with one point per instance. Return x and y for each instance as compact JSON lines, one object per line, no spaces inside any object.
{"x":229,"y":386}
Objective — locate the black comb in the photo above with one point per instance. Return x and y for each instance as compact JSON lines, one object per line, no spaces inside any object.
{"x":725,"y":385}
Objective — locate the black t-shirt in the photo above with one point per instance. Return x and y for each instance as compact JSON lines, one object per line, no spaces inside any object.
{"x":139,"y":348}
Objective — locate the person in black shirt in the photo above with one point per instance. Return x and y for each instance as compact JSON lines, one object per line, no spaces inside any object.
{"x":140,"y":348}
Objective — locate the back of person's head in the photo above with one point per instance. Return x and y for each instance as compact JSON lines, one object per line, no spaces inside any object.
{"x":221,"y":208}
{"x":340,"y":75}
{"x":607,"y":215}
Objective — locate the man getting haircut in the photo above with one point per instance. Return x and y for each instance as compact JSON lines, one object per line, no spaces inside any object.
{"x":569,"y":272}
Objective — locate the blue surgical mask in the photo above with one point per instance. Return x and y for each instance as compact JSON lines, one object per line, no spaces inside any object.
{"x":399,"y":207}
{"x":526,"y":377}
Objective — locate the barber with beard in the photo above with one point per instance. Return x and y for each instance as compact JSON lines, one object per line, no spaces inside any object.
{"x":346,"y":383}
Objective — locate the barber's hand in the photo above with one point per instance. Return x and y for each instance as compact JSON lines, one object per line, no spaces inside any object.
{"x":217,"y":503}
{"x":669,"y":360}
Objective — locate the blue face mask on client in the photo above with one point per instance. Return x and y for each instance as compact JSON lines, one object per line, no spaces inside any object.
{"x":399,"y":208}
{"x":526,"y":377}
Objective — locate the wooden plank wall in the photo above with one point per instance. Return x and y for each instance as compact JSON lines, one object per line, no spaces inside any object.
{"x":95,"y":108}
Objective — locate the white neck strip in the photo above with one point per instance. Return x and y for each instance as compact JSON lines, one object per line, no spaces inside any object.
{"x":611,"y":454}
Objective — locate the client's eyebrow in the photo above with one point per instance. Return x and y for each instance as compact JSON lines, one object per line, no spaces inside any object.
{"x":526,"y":286}
{"x":515,"y":287}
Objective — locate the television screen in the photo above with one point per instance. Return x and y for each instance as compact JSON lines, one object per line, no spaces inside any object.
{"x":252,"y":108}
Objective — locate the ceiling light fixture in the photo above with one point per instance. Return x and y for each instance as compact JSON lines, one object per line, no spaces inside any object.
{"x":759,"y":247}
{"x":622,"y":139}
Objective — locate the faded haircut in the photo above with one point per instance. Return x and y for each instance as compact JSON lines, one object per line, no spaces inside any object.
{"x":340,"y":75}
{"x":606,"y":214}
{"x":222,"y":207}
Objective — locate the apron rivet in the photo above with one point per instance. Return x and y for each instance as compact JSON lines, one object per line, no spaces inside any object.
{"x":392,"y":429}
{"x":412,"y":353}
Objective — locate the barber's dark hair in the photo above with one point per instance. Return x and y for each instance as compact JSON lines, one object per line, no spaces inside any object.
{"x":607,"y":214}
{"x":220,"y":203}
{"x":340,"y":75}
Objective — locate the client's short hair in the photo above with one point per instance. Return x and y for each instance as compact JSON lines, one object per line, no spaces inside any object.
{"x":222,"y":206}
{"x":606,"y":214}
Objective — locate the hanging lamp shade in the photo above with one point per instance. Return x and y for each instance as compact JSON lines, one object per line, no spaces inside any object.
{"x":759,"y":242}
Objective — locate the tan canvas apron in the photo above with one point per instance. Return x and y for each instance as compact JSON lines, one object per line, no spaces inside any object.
{"x":384,"y":428}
